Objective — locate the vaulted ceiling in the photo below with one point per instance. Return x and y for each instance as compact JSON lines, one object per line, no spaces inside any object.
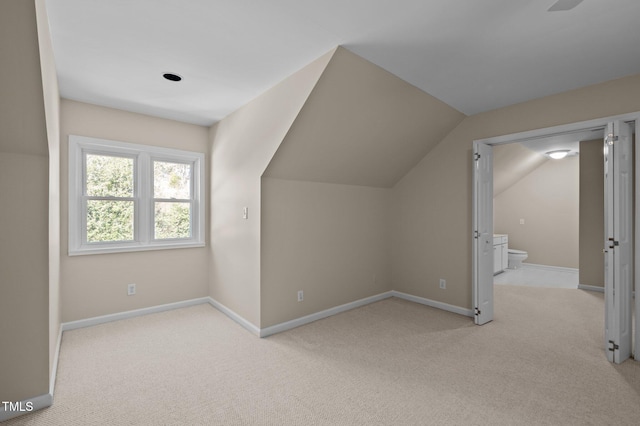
{"x":473,"y":55}
{"x":361,"y":125}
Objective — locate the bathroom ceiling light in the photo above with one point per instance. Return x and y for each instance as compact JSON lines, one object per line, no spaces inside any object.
{"x":557,"y":155}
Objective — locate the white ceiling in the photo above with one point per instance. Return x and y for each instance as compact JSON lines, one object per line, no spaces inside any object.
{"x":473,"y":55}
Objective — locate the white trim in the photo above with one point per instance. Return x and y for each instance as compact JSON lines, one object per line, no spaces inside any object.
{"x":54,"y":366}
{"x":549,"y":267}
{"x":288,"y":325}
{"x":142,"y":197}
{"x":36,"y":403}
{"x":234,"y":316}
{"x":433,"y":303}
{"x":88,"y":322}
{"x":591,"y":288}
{"x":556,"y":130}
{"x":122,"y":248}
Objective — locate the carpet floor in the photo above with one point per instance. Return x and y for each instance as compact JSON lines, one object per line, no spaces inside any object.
{"x":394,"y":362}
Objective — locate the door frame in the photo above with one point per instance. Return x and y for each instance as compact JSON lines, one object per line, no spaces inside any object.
{"x":532,"y":135}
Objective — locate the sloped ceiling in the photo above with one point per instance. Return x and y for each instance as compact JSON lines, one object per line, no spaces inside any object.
{"x":361,"y":126}
{"x":511,"y":163}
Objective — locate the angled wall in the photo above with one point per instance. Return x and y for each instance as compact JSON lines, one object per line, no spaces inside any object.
{"x":326,"y":193}
{"x":432,"y":204}
{"x":24,"y":188}
{"x":512,"y":162}
{"x":242,"y":144}
{"x":361,"y":126}
{"x":51,"y":96}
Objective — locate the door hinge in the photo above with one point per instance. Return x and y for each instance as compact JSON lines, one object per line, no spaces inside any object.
{"x":613,"y":347}
{"x":476,"y":156}
{"x":613,"y":243}
{"x":476,"y":234}
{"x":477,"y":312}
{"x":611,"y":139}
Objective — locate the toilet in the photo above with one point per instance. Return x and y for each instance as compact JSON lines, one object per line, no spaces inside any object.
{"x":516,"y":257}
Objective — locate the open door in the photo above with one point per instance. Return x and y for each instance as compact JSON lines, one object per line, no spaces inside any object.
{"x":482,"y":233}
{"x":618,"y":249}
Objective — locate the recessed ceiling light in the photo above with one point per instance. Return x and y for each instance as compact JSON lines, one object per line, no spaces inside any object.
{"x":562,"y":5}
{"x":557,"y":155}
{"x":172,"y":77}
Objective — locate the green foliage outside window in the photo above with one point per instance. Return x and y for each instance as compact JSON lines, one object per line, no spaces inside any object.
{"x":110,"y":219}
{"x":172,"y":181}
{"x":172,"y":220}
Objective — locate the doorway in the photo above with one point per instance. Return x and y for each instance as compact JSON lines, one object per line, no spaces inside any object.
{"x":537,"y":211}
{"x":619,"y":259}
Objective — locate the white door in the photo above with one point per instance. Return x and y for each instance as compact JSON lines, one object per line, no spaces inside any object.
{"x":618,"y":172}
{"x":483,"y":233}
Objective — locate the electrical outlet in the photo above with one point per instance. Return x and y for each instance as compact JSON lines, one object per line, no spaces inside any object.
{"x":300,"y":296}
{"x":443,"y":283}
{"x":521,"y":221}
{"x":131,"y":289}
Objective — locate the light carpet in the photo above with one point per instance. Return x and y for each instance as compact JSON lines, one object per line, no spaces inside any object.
{"x":394,"y":362}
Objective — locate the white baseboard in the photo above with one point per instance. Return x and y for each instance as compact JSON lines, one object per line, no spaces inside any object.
{"x":26,"y":406}
{"x":288,"y":325}
{"x":549,"y":268}
{"x":433,"y":303}
{"x":131,"y":314}
{"x":234,"y":316}
{"x":590,"y":288}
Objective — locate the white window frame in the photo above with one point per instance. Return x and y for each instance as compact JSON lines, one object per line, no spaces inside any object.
{"x":143,"y":156}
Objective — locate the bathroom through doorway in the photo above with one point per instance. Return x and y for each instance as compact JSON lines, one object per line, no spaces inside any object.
{"x":619,"y":181}
{"x":537,"y":210}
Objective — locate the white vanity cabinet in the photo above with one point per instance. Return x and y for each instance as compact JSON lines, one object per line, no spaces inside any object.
{"x":500,"y":253}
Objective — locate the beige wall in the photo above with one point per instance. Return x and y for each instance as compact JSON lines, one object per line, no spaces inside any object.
{"x":24,"y":187}
{"x":591,"y":213}
{"x":331,"y":241}
{"x":431,"y":233}
{"x":325,"y":203}
{"x":93,"y":285}
{"x":52,"y":115}
{"x":361,"y":125}
{"x":512,"y":162}
{"x":548,"y":201}
{"x":242,"y":145}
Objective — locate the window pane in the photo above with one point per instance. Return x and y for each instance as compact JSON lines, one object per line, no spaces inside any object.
{"x":109,"y":176}
{"x":109,"y":220}
{"x":171,"y":180}
{"x":172,"y":220}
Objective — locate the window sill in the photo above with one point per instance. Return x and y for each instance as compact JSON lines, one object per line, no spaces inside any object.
{"x":133,"y":248}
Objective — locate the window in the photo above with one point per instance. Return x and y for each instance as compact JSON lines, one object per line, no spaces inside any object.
{"x":128,"y":197}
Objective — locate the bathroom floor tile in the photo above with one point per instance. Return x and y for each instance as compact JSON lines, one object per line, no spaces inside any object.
{"x":538,"y":276}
